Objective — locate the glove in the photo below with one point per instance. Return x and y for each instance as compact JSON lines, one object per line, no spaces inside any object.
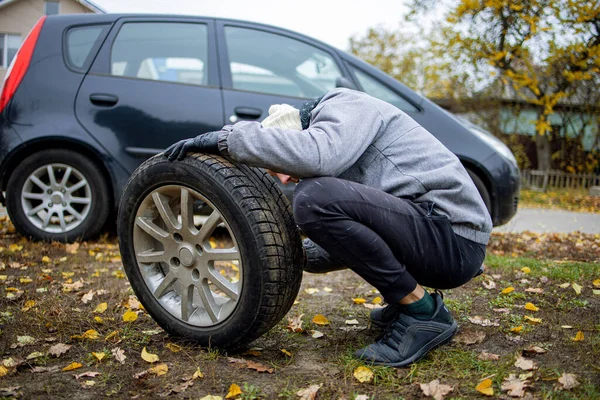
{"x":204,"y":143}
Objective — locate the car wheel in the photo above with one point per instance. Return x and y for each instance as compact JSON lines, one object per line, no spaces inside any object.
{"x":210,"y":248}
{"x":481,"y":188}
{"x":57,"y":195}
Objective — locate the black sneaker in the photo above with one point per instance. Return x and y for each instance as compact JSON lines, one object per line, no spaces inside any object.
{"x":408,"y":339}
{"x":383,"y":317}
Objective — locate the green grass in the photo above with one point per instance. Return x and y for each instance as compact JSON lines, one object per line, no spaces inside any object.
{"x":554,"y":270}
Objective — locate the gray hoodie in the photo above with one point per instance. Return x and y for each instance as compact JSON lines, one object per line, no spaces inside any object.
{"x":360,"y":138}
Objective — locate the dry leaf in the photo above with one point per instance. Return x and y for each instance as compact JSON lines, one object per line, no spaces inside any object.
{"x":12,"y":391}
{"x":72,"y":366}
{"x":470,"y":337}
{"x":89,"y":334}
{"x":86,"y":298}
{"x":514,"y":386}
{"x":525,"y":364}
{"x":119,"y":355}
{"x":534,"y":350}
{"x":258,"y":367}
{"x":534,"y":290}
{"x":133,"y":303}
{"x":503,"y":310}
{"x":577,"y":288}
{"x":578,"y":337}
{"x":316,"y":334}
{"x":34,"y":355}
{"x":531,"y":307}
{"x":211,"y":397}
{"x":100,"y":308}
{"x":295,"y":324}
{"x":148,"y":357}
{"x":351,"y":322}
{"x":198,"y":374}
{"x":24,"y":341}
{"x":175,"y":348}
{"x":310,"y":393}
{"x":130,"y":316}
{"x":38,"y":370}
{"x":485,"y":387}
{"x":359,"y":300}
{"x":377,"y":300}
{"x":99,"y":356}
{"x":311,"y":290}
{"x":532,"y":319}
{"x":286,"y":352}
{"x":525,"y":270}
{"x":477,"y":320}
{"x":489,"y":284}
{"x":72,"y":248}
{"x":508,"y":290}
{"x":435,"y":390}
{"x":363,"y":374}
{"x":29,"y":304}
{"x":179,"y":389}
{"x":484,"y":356}
{"x":59,"y":349}
{"x":320,"y":319}
{"x":159,"y":370}
{"x":46,"y":260}
{"x":234,"y":391}
{"x":568,"y":381}
{"x":596,"y":282}
{"x":517,"y":329}
{"x":89,"y":374}
{"x":328,"y":289}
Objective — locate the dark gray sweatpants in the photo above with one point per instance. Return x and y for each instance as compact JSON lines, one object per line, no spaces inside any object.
{"x":391,"y":242}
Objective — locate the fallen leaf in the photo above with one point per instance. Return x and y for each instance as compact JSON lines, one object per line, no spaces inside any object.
{"x":113,"y":337}
{"x":564,"y":285}
{"x":34,"y":355}
{"x":286,"y":352}
{"x":525,"y":364}
{"x":89,"y":334}
{"x":377,"y":300}
{"x":72,"y":366}
{"x":435,"y":390}
{"x":566,"y":326}
{"x":517,"y":329}
{"x":25,"y":340}
{"x":577,"y":288}
{"x":578,"y":337}
{"x":351,"y":322}
{"x":175,"y":348}
{"x":531,"y":307}
{"x":86,"y":298}
{"x":98,"y":319}
{"x":310,"y":393}
{"x":361,"y":397}
{"x":359,"y":300}
{"x":148,"y":357}
{"x":12,"y":391}
{"x":502,"y":310}
{"x":198,"y":374}
{"x":328,"y":289}
{"x":259,"y":367}
{"x":119,"y":355}
{"x":477,"y":320}
{"x":59,"y":349}
{"x":534,"y":350}
{"x":568,"y":381}
{"x":133,"y":303}
{"x":89,"y":374}
{"x":159,"y":370}
{"x":316,"y":334}
{"x":100,"y":308}
{"x":295,"y":324}
{"x":38,"y":370}
{"x":72,"y":247}
{"x":489,"y":284}
{"x":485,"y":387}
{"x":320,"y":319}
{"x":130,"y":316}
{"x":508,"y":290}
{"x":532,"y":319}
{"x":525,"y":270}
{"x":484,"y":356}
{"x":99,"y":356}
{"x":234,"y":391}
{"x":470,"y":337}
{"x":311,"y":290}
{"x":596,"y":292}
{"x":46,"y":260}
{"x":211,"y":397}
{"x":514,"y":386}
{"x":3,"y":371}
{"x":182,"y":387}
{"x":363,"y":374}
{"x":29,"y":304}
{"x":534,"y":290}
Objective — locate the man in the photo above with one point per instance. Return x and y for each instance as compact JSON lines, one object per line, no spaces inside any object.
{"x":379,"y":195}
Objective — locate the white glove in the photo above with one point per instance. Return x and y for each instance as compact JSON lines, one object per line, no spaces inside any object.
{"x":283,"y":116}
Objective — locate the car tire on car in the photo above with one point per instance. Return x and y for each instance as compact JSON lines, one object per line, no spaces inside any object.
{"x":482,"y":189}
{"x":58,"y":195}
{"x":210,"y":248}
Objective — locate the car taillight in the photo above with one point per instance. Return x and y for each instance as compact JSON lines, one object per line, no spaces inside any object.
{"x":18,"y":66}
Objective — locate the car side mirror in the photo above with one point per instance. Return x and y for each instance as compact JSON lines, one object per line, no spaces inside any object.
{"x":340,"y":81}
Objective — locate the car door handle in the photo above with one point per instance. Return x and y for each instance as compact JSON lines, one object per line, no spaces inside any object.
{"x":103,"y":100}
{"x":248,"y":112}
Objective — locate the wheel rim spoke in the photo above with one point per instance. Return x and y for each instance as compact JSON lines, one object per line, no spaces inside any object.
{"x":34,"y":196}
{"x":164,"y":286}
{"x":77,"y":186}
{"x":149,"y":257}
{"x":74,"y":213}
{"x":151,"y":229}
{"x":36,"y":210}
{"x":162,"y":205}
{"x":208,"y":301}
{"x":187,"y":212}
{"x":38,"y":182}
{"x":187,"y":295}
{"x":223,"y":254}
{"x":61,"y":219}
{"x":209,"y":226}
{"x":223,"y":284}
{"x":53,"y":182}
{"x":80,"y":200}
{"x":66,"y":176}
{"x":47,"y":218}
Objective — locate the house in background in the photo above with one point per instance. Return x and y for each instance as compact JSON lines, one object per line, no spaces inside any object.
{"x":17,"y":18}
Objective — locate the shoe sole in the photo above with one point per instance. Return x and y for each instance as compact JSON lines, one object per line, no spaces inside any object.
{"x":439,"y":340}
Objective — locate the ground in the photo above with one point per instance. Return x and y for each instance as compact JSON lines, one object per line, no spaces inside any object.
{"x":52,"y":294}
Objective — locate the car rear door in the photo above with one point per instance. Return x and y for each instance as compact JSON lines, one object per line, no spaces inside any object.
{"x":154,"y":81}
{"x":262,"y":66}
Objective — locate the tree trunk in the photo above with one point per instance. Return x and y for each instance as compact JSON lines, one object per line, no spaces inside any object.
{"x":542,"y":146}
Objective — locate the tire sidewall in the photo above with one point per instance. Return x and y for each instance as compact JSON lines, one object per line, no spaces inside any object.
{"x":100,"y":203}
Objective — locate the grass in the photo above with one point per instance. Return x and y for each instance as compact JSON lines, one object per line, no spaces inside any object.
{"x":563,"y":199}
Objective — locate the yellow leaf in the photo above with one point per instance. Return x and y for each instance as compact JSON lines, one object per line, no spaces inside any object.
{"x":287,"y":353}
{"x":320,"y":319}
{"x":363,"y":374}
{"x":234,"y":391}
{"x":596,"y":282}
{"x":532,"y":319}
{"x":3,"y":277}
{"x":211,"y":397}
{"x":15,"y":247}
{"x":175,"y":348}
{"x":99,"y":356}
{"x":485,"y":387}
{"x":525,"y":270}
{"x":98,"y":319}
{"x":66,"y":275}
{"x":311,"y":290}
{"x":576,"y":287}
{"x":564,"y":285}
{"x":112,"y":336}
{"x":3,"y":371}
{"x":517,"y":329}
{"x":25,"y":280}
{"x":160,"y":369}
{"x":531,"y":307}
{"x":198,"y":374}
{"x":508,"y":290}
{"x":578,"y":337}
{"x":377,"y":300}
{"x":328,"y":289}
{"x":596,"y":292}
{"x":100,"y":308}
{"x":46,"y":260}
{"x":148,"y":357}
{"x":29,"y":304}
{"x":90,"y":334}
{"x":359,"y":300}
{"x":72,"y":366}
{"x":130,"y":316}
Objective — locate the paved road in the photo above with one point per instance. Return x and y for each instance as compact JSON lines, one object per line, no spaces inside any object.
{"x":543,"y":220}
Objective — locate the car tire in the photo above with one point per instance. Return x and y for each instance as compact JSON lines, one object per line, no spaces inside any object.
{"x":482,"y":189}
{"x":156,"y":239}
{"x":77,"y":190}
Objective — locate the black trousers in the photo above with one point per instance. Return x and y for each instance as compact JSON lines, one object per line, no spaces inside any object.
{"x":392,"y":243}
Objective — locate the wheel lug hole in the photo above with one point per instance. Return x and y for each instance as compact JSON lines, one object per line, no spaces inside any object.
{"x":175,"y":262}
{"x":49,"y":191}
{"x":198,"y":249}
{"x":178,"y":238}
{"x":64,"y":204}
{"x":50,"y":205}
{"x":63,"y":191}
{"x":195,"y":274}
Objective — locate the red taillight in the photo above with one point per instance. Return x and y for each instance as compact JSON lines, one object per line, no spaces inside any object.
{"x":19,"y":65}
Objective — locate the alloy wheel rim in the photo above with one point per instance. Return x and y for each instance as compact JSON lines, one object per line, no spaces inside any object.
{"x":56,"y":198}
{"x":190,"y":277}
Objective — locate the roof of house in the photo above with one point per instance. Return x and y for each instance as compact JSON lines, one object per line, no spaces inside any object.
{"x":86,"y":3}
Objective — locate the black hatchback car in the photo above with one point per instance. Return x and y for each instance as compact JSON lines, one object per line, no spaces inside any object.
{"x":89,"y":97}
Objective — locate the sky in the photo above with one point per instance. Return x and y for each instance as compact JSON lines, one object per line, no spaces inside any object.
{"x":331,"y":21}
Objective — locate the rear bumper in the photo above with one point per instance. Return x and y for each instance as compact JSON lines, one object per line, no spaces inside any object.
{"x":507,"y":189}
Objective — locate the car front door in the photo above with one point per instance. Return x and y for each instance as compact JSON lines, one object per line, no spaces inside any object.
{"x":262,"y":66}
{"x":154,"y":81}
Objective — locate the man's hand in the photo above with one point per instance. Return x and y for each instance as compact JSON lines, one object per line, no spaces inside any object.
{"x":204,"y":143}
{"x":285,"y":179}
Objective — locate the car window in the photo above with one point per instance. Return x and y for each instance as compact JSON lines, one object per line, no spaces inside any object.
{"x":162,"y":51}
{"x":268,"y":63}
{"x":80,"y":42}
{"x":377,"y":89}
